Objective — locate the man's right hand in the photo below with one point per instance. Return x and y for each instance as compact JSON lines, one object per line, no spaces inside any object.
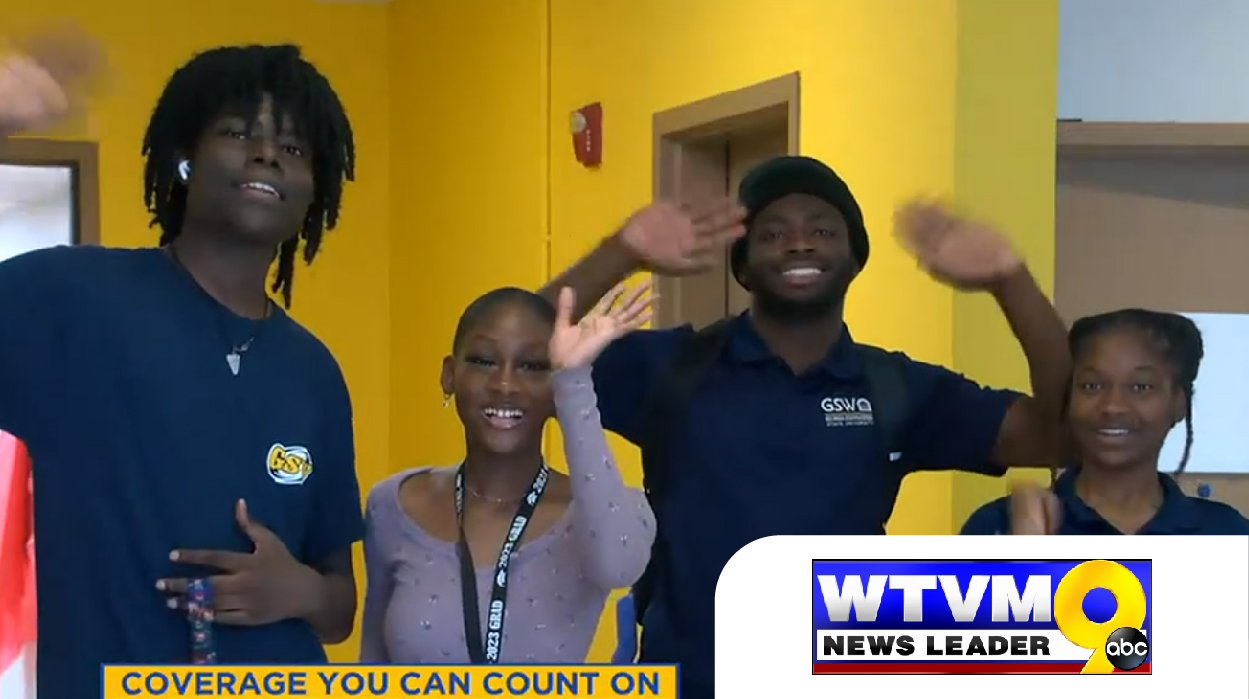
{"x":37,"y":84}
{"x":1034,"y":510}
{"x":678,"y":241}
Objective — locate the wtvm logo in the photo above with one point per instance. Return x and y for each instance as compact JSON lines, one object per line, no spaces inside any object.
{"x":981,"y":617}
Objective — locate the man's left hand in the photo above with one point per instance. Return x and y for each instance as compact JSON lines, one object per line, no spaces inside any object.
{"x":262,"y":587}
{"x":956,"y":251}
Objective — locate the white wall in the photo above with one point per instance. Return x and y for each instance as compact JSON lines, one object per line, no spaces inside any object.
{"x":1171,"y":60}
{"x":36,"y":225}
{"x":1220,"y":400}
{"x":1154,"y":60}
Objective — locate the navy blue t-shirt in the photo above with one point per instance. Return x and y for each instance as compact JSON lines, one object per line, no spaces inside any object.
{"x":1179,"y":514}
{"x":113,"y":373}
{"x":762,"y":452}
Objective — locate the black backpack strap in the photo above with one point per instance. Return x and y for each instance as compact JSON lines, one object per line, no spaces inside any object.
{"x":668,"y":394}
{"x":891,"y":410}
{"x":662,"y":409}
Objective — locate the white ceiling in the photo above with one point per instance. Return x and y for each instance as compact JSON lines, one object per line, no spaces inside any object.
{"x":28,"y":185}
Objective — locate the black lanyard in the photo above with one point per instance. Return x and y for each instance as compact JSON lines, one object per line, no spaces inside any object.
{"x":488,"y":652}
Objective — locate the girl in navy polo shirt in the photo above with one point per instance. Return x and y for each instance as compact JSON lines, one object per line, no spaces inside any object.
{"x":1132,"y":382}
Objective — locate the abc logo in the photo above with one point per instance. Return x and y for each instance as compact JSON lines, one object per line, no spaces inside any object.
{"x":1127,"y":648}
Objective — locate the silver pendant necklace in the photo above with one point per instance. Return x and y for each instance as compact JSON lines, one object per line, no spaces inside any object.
{"x":234,"y":359}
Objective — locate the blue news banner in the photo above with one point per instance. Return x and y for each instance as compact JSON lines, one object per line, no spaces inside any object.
{"x":981,"y":617}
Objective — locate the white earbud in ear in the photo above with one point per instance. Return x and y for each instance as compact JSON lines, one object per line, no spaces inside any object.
{"x":184,"y":170}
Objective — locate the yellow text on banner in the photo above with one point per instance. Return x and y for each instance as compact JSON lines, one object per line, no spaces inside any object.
{"x":387,"y":681}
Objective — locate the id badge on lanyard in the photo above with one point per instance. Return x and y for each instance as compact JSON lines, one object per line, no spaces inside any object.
{"x":487,"y":650}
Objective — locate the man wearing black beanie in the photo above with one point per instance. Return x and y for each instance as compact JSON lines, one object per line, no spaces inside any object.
{"x":794,"y":290}
{"x":776,"y":422}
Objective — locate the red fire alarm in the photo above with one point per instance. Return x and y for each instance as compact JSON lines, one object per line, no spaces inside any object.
{"x":587,"y":134}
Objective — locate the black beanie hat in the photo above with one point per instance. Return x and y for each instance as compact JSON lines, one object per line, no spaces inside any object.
{"x":794,"y":174}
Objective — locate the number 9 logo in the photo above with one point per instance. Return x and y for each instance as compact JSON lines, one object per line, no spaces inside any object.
{"x":1109,"y":639}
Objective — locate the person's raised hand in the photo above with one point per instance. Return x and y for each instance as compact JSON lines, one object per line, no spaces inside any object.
{"x":40,"y":82}
{"x":681,"y":240}
{"x":617,"y":314}
{"x":1034,"y":510}
{"x":956,"y":251}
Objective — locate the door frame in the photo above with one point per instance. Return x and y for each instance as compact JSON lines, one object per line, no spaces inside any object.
{"x":678,"y":131}
{"x":82,"y":157}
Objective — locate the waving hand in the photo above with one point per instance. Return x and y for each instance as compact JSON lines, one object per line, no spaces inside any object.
{"x":617,"y":314}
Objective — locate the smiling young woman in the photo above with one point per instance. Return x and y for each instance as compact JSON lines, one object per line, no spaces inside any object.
{"x":1132,"y":382}
{"x":501,"y":559}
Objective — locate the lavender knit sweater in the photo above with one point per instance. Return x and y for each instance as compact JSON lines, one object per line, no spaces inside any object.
{"x":558,"y":582}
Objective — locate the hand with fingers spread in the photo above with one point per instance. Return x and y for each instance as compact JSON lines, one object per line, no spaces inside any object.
{"x":956,"y":251}
{"x":37,"y":84}
{"x":677,"y":241}
{"x":262,"y":587}
{"x":617,"y":314}
{"x":1034,"y":510}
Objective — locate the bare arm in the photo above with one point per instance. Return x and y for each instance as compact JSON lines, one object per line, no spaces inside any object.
{"x":662,"y":238}
{"x":1031,"y":432}
{"x":612,"y":523}
{"x":594,"y":275}
{"x":334,"y":613}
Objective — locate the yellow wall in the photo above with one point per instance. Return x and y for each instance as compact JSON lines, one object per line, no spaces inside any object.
{"x":344,"y":297}
{"x":467,"y":182}
{"x":1004,"y":171}
{"x":491,"y":128}
{"x":868,"y":67}
{"x":959,"y":96}
{"x":468,"y":169}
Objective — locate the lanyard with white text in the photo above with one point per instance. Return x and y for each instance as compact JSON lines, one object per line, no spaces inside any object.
{"x":488,"y":652}
{"x":199,"y":611}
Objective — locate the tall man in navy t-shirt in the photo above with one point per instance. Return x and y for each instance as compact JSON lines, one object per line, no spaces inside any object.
{"x":753,"y":454}
{"x":182,"y":427}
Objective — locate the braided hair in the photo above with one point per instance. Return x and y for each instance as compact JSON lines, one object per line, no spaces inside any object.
{"x":238,"y":78}
{"x":1176,"y":337}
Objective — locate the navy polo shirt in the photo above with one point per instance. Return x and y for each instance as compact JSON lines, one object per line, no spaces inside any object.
{"x":755,"y":456}
{"x":1179,"y":514}
{"x":113,"y":373}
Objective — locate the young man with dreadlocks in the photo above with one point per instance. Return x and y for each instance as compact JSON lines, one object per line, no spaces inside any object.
{"x":195,"y":489}
{"x":1132,"y":383}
